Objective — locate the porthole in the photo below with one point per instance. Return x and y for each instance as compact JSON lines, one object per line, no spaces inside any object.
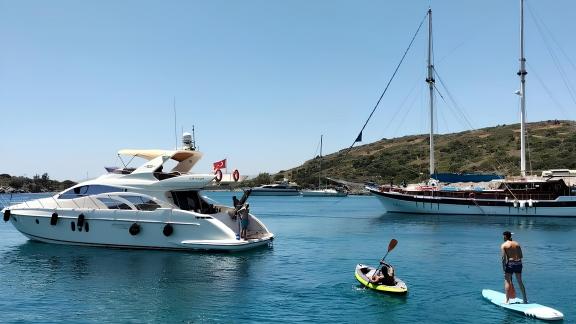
{"x":73,"y":226}
{"x":37,"y":222}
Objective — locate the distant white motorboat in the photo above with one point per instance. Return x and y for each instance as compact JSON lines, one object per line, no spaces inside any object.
{"x":569,"y":176}
{"x":141,"y":208}
{"x":283,"y":188}
{"x":323,"y":192}
{"x":328,"y":192}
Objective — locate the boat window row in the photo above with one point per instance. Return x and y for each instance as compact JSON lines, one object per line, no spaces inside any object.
{"x":141,"y":203}
{"x":88,"y":190}
{"x":113,"y":203}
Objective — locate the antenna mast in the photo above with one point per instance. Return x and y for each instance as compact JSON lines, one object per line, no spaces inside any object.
{"x":193,"y":139}
{"x":175,"y":131}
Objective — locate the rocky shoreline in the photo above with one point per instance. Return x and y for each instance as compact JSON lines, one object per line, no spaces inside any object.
{"x":11,"y":190}
{"x":37,"y":184}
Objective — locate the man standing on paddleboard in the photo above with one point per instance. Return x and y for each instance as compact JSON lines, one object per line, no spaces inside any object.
{"x":512,"y":263}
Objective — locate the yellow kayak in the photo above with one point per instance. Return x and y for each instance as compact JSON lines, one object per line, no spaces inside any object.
{"x":364,"y":272}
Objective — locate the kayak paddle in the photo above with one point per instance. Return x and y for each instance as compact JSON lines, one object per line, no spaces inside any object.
{"x":391,"y":246}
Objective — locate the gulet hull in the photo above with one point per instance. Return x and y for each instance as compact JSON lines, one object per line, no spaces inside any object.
{"x":395,"y":202}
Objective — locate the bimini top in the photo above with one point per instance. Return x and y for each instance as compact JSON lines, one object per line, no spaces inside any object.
{"x":186,"y":158}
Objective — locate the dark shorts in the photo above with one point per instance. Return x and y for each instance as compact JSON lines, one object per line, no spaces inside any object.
{"x":513,"y":267}
{"x":244,"y":223}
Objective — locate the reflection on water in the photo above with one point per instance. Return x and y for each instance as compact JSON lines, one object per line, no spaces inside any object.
{"x":543,"y":223}
{"x":156,"y":280}
{"x":79,"y":262}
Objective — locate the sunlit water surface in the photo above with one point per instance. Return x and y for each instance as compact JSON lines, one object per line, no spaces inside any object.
{"x":306,"y":276}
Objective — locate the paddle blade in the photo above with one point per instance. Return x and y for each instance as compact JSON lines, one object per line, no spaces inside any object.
{"x":392,"y":244}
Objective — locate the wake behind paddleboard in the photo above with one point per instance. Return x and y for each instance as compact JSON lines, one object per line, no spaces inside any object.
{"x":532,"y":310}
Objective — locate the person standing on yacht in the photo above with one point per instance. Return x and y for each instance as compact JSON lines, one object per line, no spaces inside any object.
{"x":244,"y":214}
{"x":512,"y":263}
{"x":236,"y":202}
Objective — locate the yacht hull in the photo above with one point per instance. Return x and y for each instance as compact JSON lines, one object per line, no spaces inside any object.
{"x":274,"y":192}
{"x":113,"y":230}
{"x":323,"y":193}
{"x":395,"y":202}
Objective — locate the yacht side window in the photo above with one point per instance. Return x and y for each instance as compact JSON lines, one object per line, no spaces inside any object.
{"x":113,"y":203}
{"x":142,"y":203}
{"x":98,"y":189}
{"x":88,"y":190}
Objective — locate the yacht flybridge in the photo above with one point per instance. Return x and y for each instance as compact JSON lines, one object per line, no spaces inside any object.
{"x":144,"y":207}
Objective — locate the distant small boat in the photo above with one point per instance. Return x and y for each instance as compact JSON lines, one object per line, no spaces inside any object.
{"x":324,"y":192}
{"x":283,"y":188}
{"x":328,"y":192}
{"x":569,"y":176}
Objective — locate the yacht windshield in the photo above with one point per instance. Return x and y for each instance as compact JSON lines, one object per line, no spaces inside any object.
{"x":113,"y":203}
{"x":142,"y":203}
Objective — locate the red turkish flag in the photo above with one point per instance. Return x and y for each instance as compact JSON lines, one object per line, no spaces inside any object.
{"x":219,"y":165}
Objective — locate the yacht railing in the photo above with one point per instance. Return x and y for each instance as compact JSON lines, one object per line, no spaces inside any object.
{"x":8,"y":199}
{"x":140,"y":202}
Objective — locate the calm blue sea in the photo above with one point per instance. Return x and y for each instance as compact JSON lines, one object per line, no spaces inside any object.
{"x":306,"y":276}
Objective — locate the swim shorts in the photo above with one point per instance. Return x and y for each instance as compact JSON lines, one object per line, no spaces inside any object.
{"x":244,"y":223}
{"x":513,"y":266}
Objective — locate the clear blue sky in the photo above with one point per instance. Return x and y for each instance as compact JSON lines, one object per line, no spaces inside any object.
{"x":260,"y":80}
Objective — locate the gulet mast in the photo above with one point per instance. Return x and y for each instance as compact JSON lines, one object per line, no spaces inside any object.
{"x":320,"y":173}
{"x":430,"y":80}
{"x":522,"y":74}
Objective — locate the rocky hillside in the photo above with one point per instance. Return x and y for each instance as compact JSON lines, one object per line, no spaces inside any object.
{"x":551,"y":144}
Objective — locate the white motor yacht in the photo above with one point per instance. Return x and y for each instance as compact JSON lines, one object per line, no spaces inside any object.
{"x":282,"y":188}
{"x":144,"y":208}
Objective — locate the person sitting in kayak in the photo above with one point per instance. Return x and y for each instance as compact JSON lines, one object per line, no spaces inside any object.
{"x":385,"y":275}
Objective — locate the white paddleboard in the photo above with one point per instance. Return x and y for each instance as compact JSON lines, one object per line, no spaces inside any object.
{"x":530,"y":309}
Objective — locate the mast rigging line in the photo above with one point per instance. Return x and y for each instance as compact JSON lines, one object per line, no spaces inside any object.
{"x":543,"y":29}
{"x":500,"y":165}
{"x":458,"y":111}
{"x":390,"y":81}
